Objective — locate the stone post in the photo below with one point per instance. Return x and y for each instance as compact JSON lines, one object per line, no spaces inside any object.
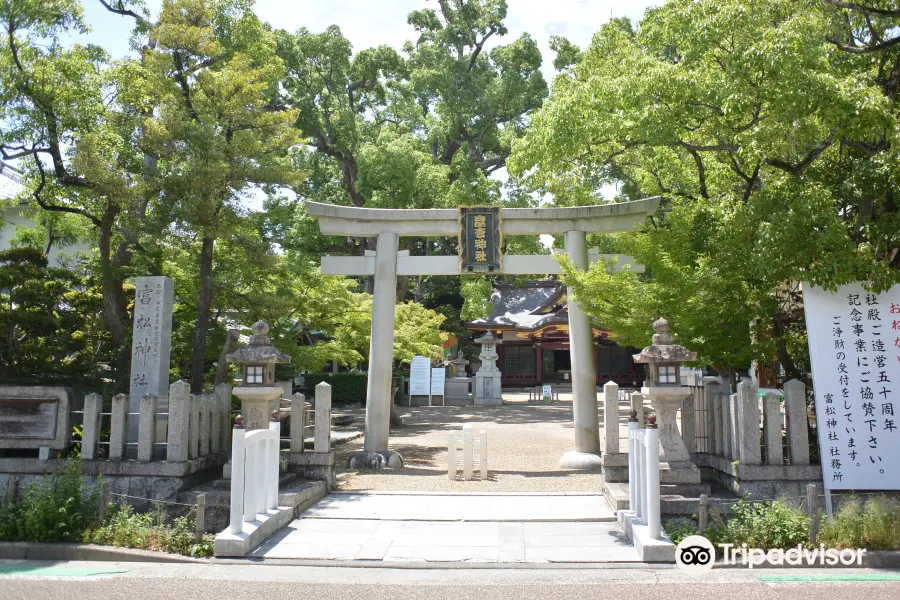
{"x":298,"y":421}
{"x":117,"y":426}
{"x":215,"y":424}
{"x":204,"y":402}
{"x":772,"y":427}
{"x":637,"y":405}
{"x":194,"y":435}
{"x":179,"y":422}
{"x":712,"y":389}
{"x":688,"y":428}
{"x":146,"y":428}
{"x":151,"y":345}
{"x":748,"y":421}
{"x":797,"y":432}
{"x":715,"y":402}
{"x":90,"y":431}
{"x":322,"y":441}
{"x":223,"y":399}
{"x":611,"y":418}
{"x":381,"y":346}
{"x":584,"y":377}
{"x":732,"y":428}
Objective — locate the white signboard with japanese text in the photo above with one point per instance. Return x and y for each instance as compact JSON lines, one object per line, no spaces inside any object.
{"x":420,"y":376}
{"x":438,"y":376}
{"x":854,"y":346}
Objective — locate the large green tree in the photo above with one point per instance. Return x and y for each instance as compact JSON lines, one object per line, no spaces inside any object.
{"x":769,"y":128}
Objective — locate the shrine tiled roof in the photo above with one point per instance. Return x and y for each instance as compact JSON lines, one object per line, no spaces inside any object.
{"x":524,"y":307}
{"x":11,"y":182}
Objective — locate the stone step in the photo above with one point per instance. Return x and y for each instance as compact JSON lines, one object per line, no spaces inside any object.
{"x":292,"y":491}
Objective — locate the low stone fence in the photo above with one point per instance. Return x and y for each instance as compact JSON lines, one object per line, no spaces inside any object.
{"x":195,"y":426}
{"x":751,"y":443}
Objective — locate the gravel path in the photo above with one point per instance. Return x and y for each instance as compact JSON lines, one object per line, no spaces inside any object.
{"x":525,"y":442}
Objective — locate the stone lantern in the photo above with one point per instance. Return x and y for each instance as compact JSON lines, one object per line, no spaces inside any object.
{"x":663,"y":387}
{"x":258,"y":393}
{"x":487,"y":379}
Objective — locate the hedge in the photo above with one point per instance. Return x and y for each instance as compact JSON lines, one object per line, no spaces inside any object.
{"x":347,"y":386}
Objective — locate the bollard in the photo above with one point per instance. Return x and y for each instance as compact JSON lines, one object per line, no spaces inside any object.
{"x":632,"y":487}
{"x":200,"y":520}
{"x":704,"y":513}
{"x":451,"y":456}
{"x":652,"y":478}
{"x":812,"y":509}
{"x":482,"y":446}
{"x":467,"y":454}
{"x":274,"y":463}
{"x":237,"y":476}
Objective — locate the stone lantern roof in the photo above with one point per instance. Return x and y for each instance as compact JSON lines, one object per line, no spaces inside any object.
{"x":662,"y":350}
{"x":259,"y":350}
{"x":488,"y":338}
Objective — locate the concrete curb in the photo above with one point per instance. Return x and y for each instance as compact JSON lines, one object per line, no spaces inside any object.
{"x":92,"y":552}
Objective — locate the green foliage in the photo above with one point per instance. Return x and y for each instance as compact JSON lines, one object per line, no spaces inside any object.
{"x":56,"y":509}
{"x":770,"y":524}
{"x":872,"y":524}
{"x":346,"y":386}
{"x":147,"y":531}
{"x":49,"y":322}
{"x":772,"y":143}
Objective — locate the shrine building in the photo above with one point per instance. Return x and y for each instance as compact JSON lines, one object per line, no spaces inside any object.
{"x":533,"y":321}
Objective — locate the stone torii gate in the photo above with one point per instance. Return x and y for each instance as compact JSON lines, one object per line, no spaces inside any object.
{"x":387,"y":263}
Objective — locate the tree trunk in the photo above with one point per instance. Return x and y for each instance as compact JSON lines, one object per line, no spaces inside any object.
{"x":222,"y":367}
{"x":115,"y":311}
{"x":198,"y":354}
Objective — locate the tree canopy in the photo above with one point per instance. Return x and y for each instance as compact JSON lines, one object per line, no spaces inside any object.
{"x":769,"y":129}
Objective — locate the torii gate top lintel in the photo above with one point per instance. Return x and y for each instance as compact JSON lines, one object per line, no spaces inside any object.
{"x":369,"y":222}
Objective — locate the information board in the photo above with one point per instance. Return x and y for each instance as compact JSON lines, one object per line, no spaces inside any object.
{"x":854,"y":346}
{"x":419,"y":376}
{"x":547,"y":393}
{"x":438,"y":376}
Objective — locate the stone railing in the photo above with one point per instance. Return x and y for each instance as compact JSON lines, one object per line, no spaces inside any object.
{"x":194,"y":426}
{"x":753,"y":444}
{"x":254,"y":473}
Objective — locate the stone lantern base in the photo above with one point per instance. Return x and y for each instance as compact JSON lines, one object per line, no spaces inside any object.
{"x":487,"y":389}
{"x":257,"y":404}
{"x":675,"y":466}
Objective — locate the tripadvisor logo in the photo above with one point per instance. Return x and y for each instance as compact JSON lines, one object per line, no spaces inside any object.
{"x":696,"y":554}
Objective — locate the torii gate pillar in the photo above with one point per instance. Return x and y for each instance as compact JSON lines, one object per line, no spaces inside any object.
{"x":381,"y":345}
{"x":584,"y":379}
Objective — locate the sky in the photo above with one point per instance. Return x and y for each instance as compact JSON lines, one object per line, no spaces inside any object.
{"x":369,"y":23}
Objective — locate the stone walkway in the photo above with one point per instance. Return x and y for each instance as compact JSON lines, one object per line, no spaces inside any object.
{"x":525,"y":443}
{"x":524,"y":528}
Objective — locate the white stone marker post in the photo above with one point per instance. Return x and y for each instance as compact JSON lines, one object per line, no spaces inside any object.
{"x":90,"y":432}
{"x":797,"y":432}
{"x":772,"y":427}
{"x":611,"y":418}
{"x":150,"y":348}
{"x":381,"y":346}
{"x":117,"y":421}
{"x":584,"y":378}
{"x":322,"y":441}
{"x":179,"y":422}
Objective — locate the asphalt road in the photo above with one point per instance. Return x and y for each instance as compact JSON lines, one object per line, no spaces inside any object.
{"x":131,"y":581}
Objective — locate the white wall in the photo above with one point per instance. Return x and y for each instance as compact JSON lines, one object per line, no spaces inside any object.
{"x":12,"y":217}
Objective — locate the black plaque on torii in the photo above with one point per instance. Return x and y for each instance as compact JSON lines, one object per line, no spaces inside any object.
{"x":480,"y":239}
